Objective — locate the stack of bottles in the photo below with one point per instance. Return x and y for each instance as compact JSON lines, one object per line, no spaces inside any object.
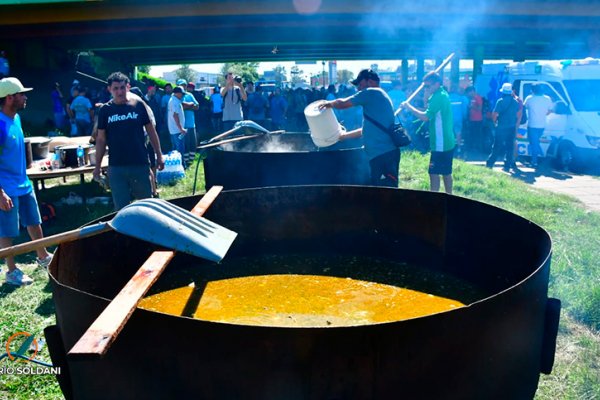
{"x":80,"y":157}
{"x":173,"y":170}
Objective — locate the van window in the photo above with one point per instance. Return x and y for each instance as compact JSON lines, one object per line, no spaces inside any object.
{"x":585,"y":94}
{"x":546,"y":89}
{"x":561,"y":91}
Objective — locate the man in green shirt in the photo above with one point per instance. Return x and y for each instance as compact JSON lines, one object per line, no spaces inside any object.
{"x":441,"y":136}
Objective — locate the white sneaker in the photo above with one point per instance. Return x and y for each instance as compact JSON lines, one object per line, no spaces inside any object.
{"x":44,"y":262}
{"x":18,"y":278}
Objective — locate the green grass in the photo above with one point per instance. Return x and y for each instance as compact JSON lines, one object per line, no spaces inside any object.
{"x":575,"y":272}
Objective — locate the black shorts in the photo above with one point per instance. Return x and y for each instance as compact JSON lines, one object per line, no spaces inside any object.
{"x":440,"y":162}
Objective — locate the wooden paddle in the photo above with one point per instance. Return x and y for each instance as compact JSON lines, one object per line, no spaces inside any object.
{"x":422,"y":85}
{"x":104,"y":330}
{"x":235,"y":139}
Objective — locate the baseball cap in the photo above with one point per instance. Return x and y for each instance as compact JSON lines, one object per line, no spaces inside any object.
{"x":10,"y":86}
{"x":181,"y":82}
{"x":75,"y":82}
{"x":191,"y":85}
{"x":506,"y":88}
{"x":365,"y":74}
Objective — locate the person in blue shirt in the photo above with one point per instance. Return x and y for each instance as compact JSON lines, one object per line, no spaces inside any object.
{"x":81,"y":110}
{"x":278,"y":109}
{"x":18,"y":204}
{"x":4,"y":65}
{"x":190,"y":106}
{"x":383,"y":155}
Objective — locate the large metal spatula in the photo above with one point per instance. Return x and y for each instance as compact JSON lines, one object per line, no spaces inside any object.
{"x":96,"y":341}
{"x":155,"y":221}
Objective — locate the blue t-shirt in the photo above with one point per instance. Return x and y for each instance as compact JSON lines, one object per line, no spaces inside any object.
{"x":217,"y":102}
{"x":190,"y":119}
{"x":257,"y":104}
{"x":278,"y":107}
{"x":378,"y":106}
{"x":13,"y":167}
{"x":81,"y":106}
{"x":460,"y":107}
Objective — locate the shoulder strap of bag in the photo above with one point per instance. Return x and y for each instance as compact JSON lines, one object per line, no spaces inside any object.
{"x":377,"y":124}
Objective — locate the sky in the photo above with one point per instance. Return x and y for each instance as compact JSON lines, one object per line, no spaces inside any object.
{"x":354,"y":66}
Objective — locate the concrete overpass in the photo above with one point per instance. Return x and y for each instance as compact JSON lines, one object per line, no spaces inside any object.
{"x":43,"y":38}
{"x":138,"y":32}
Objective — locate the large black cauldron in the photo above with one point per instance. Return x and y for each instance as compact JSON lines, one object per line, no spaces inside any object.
{"x":495,"y":348}
{"x":286,"y":159}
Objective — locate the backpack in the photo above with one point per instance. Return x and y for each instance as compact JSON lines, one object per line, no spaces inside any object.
{"x":237,"y":96}
{"x":523,"y":116}
{"x":47,"y":212}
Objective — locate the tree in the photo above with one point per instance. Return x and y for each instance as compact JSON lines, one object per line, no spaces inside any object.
{"x":344,"y":76}
{"x":185,"y":72}
{"x":296,"y":73}
{"x":280,"y":74}
{"x":248,"y":71}
{"x":144,"y":68}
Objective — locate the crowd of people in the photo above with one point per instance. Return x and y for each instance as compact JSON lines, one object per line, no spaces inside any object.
{"x":130,"y":122}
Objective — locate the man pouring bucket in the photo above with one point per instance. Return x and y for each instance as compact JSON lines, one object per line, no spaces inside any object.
{"x":383,"y":155}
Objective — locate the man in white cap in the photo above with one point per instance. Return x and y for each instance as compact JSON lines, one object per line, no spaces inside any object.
{"x":18,"y":204}
{"x":505,"y":117}
{"x":74,"y":88}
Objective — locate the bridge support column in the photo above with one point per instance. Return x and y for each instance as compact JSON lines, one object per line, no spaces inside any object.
{"x":477,"y":61}
{"x":455,"y":70}
{"x":420,"y":69}
{"x":438,"y":62}
{"x":404,"y":71}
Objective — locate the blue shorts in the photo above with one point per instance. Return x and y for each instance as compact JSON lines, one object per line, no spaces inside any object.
{"x":25,"y":211}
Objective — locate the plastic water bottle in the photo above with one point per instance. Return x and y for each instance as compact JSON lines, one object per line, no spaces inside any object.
{"x":56,"y":161}
{"x":80,"y":155}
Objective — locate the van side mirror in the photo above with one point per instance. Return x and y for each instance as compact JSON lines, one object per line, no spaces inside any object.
{"x":561,"y":108}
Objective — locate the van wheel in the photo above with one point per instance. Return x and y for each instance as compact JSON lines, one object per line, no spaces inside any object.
{"x":564,"y":156}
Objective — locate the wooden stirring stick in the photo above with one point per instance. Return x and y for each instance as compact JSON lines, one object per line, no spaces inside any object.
{"x":99,"y":336}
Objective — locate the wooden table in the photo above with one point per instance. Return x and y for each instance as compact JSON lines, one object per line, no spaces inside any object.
{"x":37,"y":175}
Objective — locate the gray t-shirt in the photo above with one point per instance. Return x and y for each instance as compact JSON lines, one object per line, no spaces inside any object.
{"x":507,"y":108}
{"x":378,"y":106}
{"x":232,"y":105}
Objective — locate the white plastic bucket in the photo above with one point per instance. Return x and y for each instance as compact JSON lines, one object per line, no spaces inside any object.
{"x":323,"y":125}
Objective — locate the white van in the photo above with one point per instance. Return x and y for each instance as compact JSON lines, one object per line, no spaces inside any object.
{"x":572,"y":135}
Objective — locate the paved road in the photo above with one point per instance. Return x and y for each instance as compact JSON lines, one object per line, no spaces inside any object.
{"x":585,"y":188}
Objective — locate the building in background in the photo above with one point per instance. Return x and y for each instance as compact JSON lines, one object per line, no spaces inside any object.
{"x":202,"y":78}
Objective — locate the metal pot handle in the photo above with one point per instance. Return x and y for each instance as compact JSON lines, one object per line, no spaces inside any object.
{"x":551,"y":321}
